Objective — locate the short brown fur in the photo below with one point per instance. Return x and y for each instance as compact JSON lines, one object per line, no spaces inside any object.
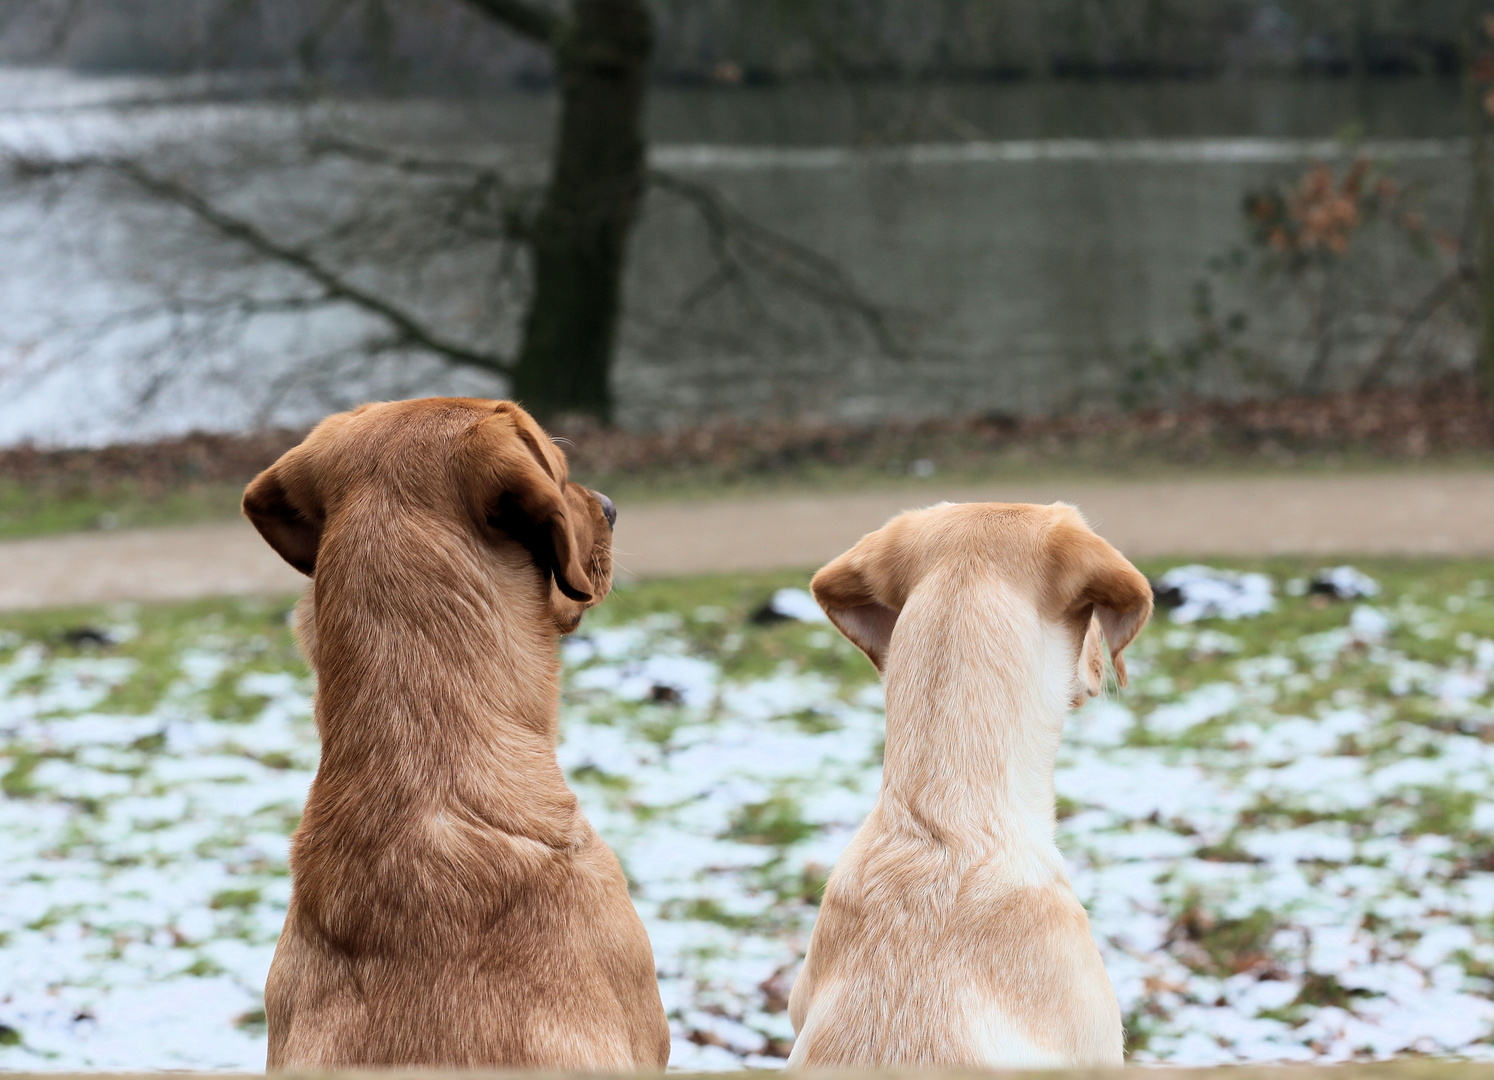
{"x":451,"y":905}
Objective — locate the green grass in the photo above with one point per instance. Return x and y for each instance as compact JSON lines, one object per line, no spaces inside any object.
{"x":714,"y":612}
{"x":189,"y":695}
{"x":28,"y":512}
{"x":1021,"y":464}
{"x":254,"y":633}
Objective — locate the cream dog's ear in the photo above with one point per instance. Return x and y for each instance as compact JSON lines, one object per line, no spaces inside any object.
{"x":844,"y":591}
{"x":1091,"y":664}
{"x":292,"y":526}
{"x":1093,"y":575}
{"x":519,"y":483}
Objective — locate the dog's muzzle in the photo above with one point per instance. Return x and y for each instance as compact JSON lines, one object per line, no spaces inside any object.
{"x":608,"y":510}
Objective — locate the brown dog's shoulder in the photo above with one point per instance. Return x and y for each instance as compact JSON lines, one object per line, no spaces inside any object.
{"x":448,"y":550}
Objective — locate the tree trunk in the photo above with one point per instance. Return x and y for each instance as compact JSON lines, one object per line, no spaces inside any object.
{"x":1482,"y":197}
{"x":580,"y":236}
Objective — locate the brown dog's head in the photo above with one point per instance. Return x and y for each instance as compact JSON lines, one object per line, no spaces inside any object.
{"x":1044,"y":554}
{"x":391,"y":482}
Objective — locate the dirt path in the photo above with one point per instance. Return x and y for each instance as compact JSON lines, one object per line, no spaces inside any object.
{"x":1396,"y":514}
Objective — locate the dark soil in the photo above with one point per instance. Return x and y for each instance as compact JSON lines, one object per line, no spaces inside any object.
{"x":1444,"y":419}
{"x":151,"y":469}
{"x":1441,"y":420}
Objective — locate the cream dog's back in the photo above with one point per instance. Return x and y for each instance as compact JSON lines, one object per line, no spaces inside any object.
{"x":949,"y":933}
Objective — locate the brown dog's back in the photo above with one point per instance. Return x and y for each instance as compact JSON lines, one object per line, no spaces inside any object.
{"x":546,"y":984}
{"x":451,"y":906}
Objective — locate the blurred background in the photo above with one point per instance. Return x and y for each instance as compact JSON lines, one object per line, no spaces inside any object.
{"x":1221,"y":272}
{"x":236,"y":215}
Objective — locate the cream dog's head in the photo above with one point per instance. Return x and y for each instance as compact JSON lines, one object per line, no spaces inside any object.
{"x":1047,"y":554}
{"x":391,"y":482}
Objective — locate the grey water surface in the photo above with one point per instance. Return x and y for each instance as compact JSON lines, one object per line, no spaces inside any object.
{"x":978,"y":247}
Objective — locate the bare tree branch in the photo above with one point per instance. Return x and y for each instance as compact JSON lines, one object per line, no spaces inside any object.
{"x":240,"y":306}
{"x":397,"y":160}
{"x":738,"y":242}
{"x":523,"y":17}
{"x":62,"y":30}
{"x":216,"y":42}
{"x":309,"y":48}
{"x":323,"y":375}
{"x":474,"y":199}
{"x":1428,"y":306}
{"x":407,"y":327}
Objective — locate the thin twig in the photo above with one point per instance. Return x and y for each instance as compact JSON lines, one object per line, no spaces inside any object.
{"x":398,"y":160}
{"x":1428,"y":306}
{"x":483,"y":182}
{"x":777,"y":256}
{"x":406,"y":326}
{"x":62,"y":30}
{"x":530,"y":20}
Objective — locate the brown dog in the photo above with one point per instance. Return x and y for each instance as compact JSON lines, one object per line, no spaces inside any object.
{"x":451,"y":904}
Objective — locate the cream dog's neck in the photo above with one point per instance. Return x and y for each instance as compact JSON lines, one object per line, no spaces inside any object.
{"x":977,"y":686}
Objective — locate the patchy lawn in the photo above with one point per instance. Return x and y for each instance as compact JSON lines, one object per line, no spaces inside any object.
{"x":27,"y":512}
{"x":1282,"y":829}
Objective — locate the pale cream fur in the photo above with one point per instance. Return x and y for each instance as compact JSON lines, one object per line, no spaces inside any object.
{"x":949,"y":934}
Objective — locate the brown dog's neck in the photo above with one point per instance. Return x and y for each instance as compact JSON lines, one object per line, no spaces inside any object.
{"x":972,"y":728}
{"x":438,"y":686}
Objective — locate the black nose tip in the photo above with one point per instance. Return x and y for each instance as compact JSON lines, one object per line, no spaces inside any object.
{"x":608,"y":510}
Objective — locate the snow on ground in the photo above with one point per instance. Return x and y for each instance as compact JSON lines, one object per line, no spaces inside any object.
{"x":1203,"y":592}
{"x":1281,"y":830}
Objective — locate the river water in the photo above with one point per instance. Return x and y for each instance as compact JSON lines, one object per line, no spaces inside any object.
{"x":983,"y":247}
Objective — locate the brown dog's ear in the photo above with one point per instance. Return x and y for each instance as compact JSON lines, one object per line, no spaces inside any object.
{"x":1098,"y":577}
{"x":524,"y":477}
{"x":288,"y":529}
{"x":841,"y":588}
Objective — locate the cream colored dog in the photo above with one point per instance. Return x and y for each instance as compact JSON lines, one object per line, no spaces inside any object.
{"x":949,"y":933}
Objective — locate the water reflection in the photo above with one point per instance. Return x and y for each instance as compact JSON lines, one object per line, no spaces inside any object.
{"x":842,"y":114}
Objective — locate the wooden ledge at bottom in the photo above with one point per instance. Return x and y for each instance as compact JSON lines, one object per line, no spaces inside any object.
{"x":1403,"y":1069}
